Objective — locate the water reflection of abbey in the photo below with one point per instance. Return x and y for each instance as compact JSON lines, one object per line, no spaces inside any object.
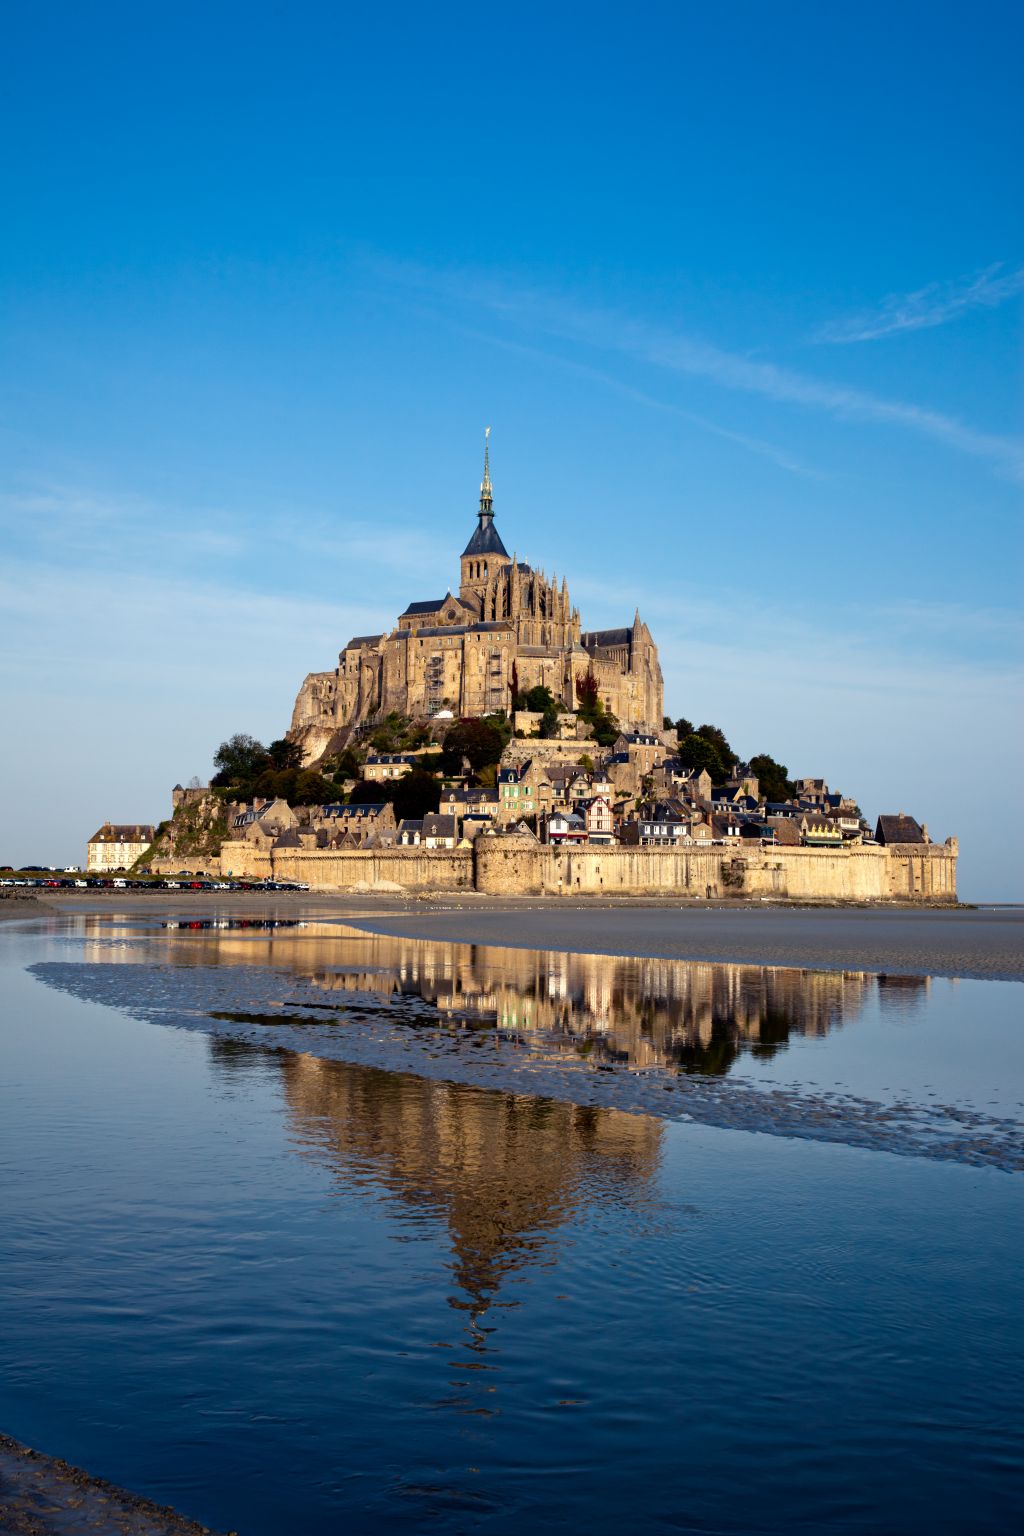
{"x":503,"y":1171}
{"x":638,"y":1012}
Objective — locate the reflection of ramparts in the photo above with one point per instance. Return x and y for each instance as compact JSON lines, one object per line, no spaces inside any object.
{"x":640,"y":1012}
{"x":502,"y":1170}
{"x":644,"y":1012}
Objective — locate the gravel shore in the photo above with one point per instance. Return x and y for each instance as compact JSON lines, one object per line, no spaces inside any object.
{"x":41,"y":1496}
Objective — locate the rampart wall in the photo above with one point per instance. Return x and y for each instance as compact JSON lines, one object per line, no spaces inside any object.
{"x":435,"y":869}
{"x":512,"y":866}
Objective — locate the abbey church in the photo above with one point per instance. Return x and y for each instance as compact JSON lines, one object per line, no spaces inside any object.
{"x":462,"y":655}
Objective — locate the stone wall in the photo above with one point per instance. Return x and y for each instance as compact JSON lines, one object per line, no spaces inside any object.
{"x":324,"y":869}
{"x":512,"y":866}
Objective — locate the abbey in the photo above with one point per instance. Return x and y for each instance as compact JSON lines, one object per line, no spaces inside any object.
{"x":508,"y":627}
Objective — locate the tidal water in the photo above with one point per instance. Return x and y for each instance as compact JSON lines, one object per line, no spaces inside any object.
{"x":311,"y":1230}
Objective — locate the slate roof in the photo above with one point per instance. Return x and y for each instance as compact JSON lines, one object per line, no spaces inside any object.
{"x":596,"y":637}
{"x":291,"y":838}
{"x":486,"y":540}
{"x":359,"y":641}
{"x":120,"y":832}
{"x":445,"y":629}
{"x":428,"y":607}
{"x":898,"y":829}
{"x":436,"y":825}
{"x":352,"y":812}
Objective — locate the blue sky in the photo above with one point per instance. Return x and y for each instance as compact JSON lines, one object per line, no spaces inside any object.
{"x":739,"y":289}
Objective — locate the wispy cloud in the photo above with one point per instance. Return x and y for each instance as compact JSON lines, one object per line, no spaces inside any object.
{"x":934,"y":304}
{"x":78,"y":526}
{"x":758,"y":445}
{"x":677,"y":352}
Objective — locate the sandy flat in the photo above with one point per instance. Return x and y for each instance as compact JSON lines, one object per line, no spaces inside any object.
{"x":984,"y":942}
{"x":981,"y":943}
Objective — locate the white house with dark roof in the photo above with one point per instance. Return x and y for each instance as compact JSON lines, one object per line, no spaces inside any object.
{"x":117,"y":845}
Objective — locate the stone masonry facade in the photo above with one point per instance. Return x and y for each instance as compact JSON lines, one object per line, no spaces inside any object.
{"x":508,"y":626}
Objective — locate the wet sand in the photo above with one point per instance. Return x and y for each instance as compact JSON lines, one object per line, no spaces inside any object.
{"x":40,"y":1496}
{"x":986,"y":943}
{"x":22,"y":906}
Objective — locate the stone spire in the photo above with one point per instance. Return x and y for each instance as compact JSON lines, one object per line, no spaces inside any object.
{"x":486,"y":490}
{"x":486,"y":539}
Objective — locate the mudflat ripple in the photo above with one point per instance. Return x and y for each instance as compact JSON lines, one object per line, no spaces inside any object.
{"x":280,"y":1010}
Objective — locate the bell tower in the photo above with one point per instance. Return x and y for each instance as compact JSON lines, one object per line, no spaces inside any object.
{"x":485,"y":554}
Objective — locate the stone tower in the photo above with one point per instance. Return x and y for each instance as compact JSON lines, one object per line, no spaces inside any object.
{"x":485,"y":554}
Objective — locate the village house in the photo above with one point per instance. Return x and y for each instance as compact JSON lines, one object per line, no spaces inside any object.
{"x":481,"y":804}
{"x":410,"y":832}
{"x":524,"y":789}
{"x":302,"y":839}
{"x":597,"y":817}
{"x":643,"y":748}
{"x":810,"y":792}
{"x":662,"y":823}
{"x":624,"y":774}
{"x":820,"y":832}
{"x":565,"y":827}
{"x":726,"y":828}
{"x":439,"y":831}
{"x":670,"y":779}
{"x":354,"y":822}
{"x":900,"y":830}
{"x":262,"y":822}
{"x":785,"y":831}
{"x":561,"y":776}
{"x":731,"y":797}
{"x":386,"y":767}
{"x":117,"y":845}
{"x":744,"y":780}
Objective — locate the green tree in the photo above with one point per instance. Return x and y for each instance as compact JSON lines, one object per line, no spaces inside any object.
{"x":537,"y":699}
{"x":345,"y":765}
{"x":549,"y":722}
{"x":697,"y":752}
{"x":364,"y":793}
{"x":299,"y":786}
{"x":414,"y":795}
{"x":684,"y":727}
{"x":473,"y":740}
{"x":772,"y":778}
{"x":717,"y":739}
{"x":239,"y":760}
{"x":284,"y":753}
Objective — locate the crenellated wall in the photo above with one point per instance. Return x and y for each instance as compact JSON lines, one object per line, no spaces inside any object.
{"x":512,"y":866}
